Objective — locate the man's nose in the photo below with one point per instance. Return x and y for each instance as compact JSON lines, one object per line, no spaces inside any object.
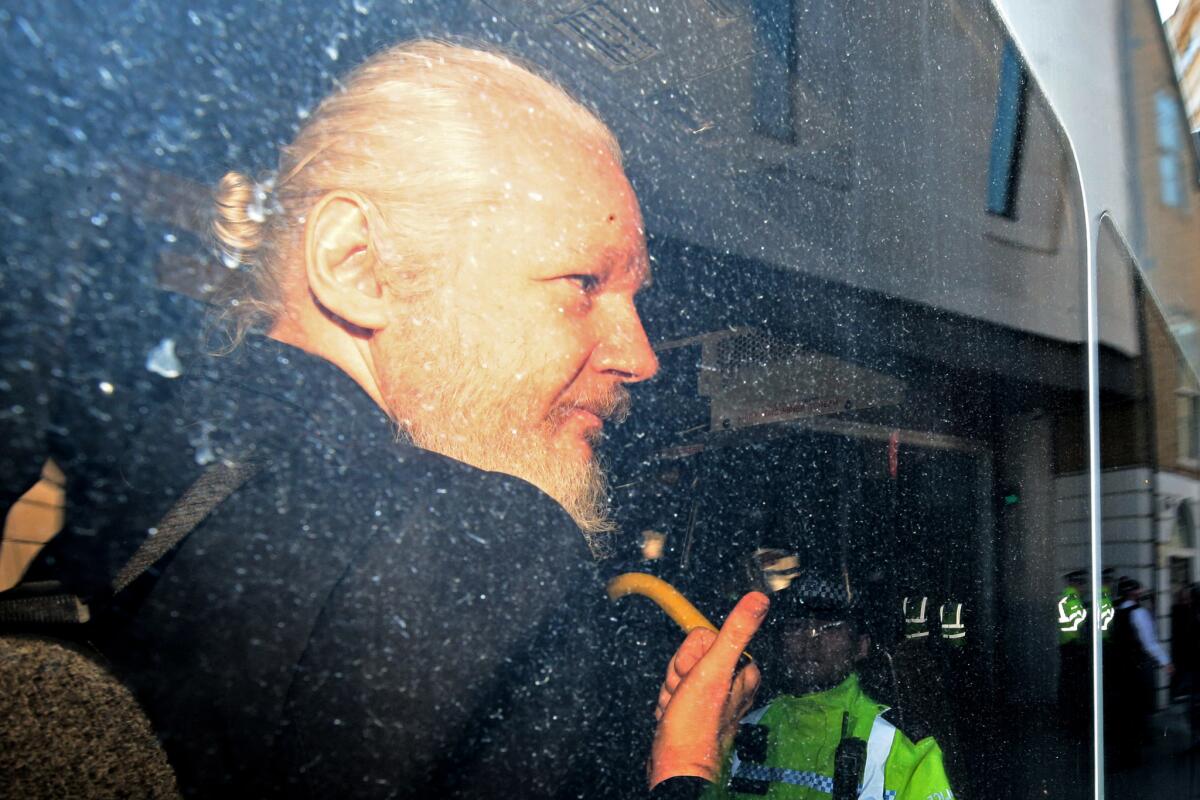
{"x":624,"y":349}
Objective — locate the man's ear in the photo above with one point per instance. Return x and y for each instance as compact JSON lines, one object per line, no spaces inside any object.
{"x":340,"y":260}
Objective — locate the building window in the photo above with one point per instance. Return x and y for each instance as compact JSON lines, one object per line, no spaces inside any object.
{"x":1007,"y":131}
{"x":1170,"y":150}
{"x":1188,"y":424}
{"x":1184,"y":534}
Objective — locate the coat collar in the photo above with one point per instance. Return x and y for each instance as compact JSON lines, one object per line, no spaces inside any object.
{"x":265,"y":395}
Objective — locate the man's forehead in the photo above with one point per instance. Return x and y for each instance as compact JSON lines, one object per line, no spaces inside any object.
{"x":572,"y":195}
{"x":524,"y":137}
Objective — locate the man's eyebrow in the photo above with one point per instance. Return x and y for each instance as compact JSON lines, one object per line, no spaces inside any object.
{"x":637,"y":265}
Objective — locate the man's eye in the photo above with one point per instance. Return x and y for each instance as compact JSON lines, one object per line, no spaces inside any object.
{"x":587,"y":283}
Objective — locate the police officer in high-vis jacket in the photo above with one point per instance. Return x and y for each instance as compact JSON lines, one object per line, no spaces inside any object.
{"x":1074,"y":654}
{"x":818,"y":734}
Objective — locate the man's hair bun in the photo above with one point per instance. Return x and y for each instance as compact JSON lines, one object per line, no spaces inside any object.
{"x":238,"y":221}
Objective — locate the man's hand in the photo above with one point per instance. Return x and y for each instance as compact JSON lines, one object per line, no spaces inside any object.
{"x":704,"y":695}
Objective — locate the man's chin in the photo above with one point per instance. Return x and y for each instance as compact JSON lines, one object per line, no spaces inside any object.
{"x":578,"y":452}
{"x":570,"y":474}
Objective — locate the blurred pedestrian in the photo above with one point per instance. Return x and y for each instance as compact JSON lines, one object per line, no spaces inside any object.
{"x":1129,"y":683}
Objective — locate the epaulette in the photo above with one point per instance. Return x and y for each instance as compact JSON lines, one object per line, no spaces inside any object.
{"x":908,"y":723}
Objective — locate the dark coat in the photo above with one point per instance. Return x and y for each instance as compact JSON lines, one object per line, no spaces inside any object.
{"x":363,"y":618}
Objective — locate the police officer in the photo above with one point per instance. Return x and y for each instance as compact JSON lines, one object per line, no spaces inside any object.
{"x":1072,"y":611}
{"x":1129,"y":675}
{"x":951,"y":615}
{"x":916,"y":617}
{"x":820,"y":734}
{"x":1073,"y":700}
{"x":1108,"y":609}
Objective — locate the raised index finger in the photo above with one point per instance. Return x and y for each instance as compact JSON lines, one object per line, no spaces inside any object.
{"x":735,"y":635}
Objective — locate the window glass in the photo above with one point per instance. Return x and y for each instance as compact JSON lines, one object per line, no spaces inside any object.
{"x":1184,"y":531}
{"x":862,"y":389}
{"x":1170,"y":146}
{"x":1148,"y":541}
{"x":1187,"y":426}
{"x":1148,"y":433}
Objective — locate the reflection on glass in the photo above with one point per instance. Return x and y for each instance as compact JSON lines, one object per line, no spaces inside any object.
{"x":1148,"y":430}
{"x":868,"y":308}
{"x":1149,"y":485}
{"x":817,"y":724}
{"x":876,"y":373}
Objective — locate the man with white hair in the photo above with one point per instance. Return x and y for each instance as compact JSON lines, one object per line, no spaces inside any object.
{"x":437,"y":320}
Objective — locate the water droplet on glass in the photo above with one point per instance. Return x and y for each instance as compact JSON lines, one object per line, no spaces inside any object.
{"x":202,"y":443}
{"x":163,"y":361}
{"x":29,"y":32}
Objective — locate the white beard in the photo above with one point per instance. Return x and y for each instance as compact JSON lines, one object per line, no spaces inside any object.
{"x":465,"y":419}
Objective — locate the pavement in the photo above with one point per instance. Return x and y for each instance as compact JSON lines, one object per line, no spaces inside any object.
{"x":1170,"y":765}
